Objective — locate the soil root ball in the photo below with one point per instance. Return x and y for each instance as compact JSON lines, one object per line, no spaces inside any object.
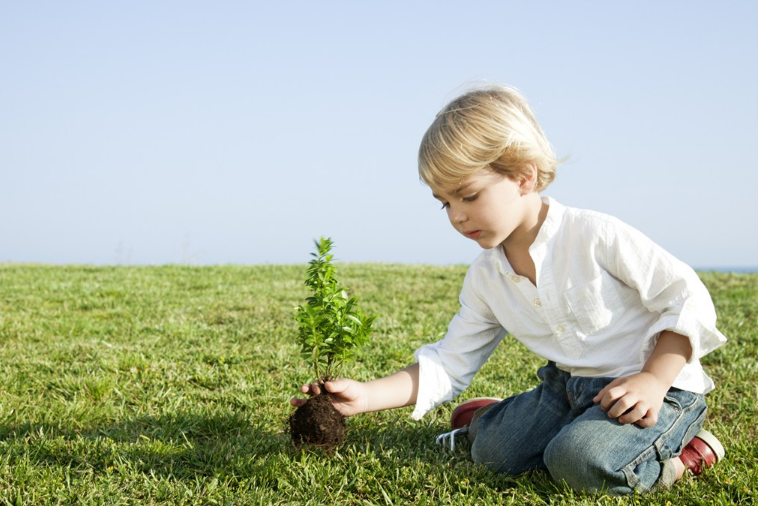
{"x":318,"y":423}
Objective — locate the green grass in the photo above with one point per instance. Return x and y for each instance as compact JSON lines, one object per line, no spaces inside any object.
{"x":148,"y":385}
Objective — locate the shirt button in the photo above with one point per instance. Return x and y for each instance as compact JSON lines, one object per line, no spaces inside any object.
{"x":537,"y":302}
{"x":516,"y":279}
{"x":559,"y":329}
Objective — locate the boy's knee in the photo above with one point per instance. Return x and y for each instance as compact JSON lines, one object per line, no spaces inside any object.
{"x":488,"y":454}
{"x":503,"y":455}
{"x":580,"y":466}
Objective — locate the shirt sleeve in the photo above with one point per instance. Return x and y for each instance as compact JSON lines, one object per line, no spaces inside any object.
{"x":667,"y":287}
{"x":447,"y":367}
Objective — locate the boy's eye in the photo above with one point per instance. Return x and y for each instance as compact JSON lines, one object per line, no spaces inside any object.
{"x":445,"y":205}
{"x":471,"y":198}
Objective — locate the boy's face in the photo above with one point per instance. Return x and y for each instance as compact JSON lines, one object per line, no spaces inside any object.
{"x":487,"y":207}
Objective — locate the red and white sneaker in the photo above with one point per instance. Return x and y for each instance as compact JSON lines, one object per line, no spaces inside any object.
{"x":703,"y":451}
{"x":464,"y":414}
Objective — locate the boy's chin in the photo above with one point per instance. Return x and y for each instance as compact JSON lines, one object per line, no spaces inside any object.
{"x":488,"y":244}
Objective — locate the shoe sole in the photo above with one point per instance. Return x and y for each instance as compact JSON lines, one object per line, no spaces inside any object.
{"x":468,"y":409}
{"x":713,"y":442}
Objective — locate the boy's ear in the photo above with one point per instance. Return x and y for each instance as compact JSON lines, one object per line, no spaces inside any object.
{"x":528,"y":179}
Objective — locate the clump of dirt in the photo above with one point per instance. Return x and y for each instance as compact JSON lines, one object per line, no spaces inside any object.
{"x":318,"y":423}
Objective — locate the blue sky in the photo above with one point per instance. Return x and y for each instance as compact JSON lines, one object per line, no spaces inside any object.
{"x":153,"y":132}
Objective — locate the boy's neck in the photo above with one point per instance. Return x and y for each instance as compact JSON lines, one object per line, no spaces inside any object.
{"x":525,"y":235}
{"x":516,"y":247}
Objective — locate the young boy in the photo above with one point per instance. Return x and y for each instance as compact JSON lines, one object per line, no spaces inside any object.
{"x":621,"y":323}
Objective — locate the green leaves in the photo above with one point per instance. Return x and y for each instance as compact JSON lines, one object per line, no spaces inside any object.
{"x":331,"y":326}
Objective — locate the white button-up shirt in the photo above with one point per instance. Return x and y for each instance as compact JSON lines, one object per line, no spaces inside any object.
{"x":604,"y":293}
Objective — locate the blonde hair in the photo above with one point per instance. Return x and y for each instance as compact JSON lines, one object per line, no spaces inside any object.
{"x":491,"y":127}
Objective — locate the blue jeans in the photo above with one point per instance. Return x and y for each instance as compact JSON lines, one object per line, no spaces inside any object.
{"x":556,"y":427}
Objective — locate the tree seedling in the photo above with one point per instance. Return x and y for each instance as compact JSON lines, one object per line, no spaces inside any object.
{"x":331,"y":327}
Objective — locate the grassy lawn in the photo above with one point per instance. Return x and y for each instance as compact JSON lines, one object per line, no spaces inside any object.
{"x":148,"y":385}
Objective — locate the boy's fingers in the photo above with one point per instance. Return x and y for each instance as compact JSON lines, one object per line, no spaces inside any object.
{"x":335,"y":387}
{"x":632,"y":415}
{"x":312,"y":389}
{"x":601,"y":394}
{"x":621,"y":407}
{"x":648,"y":421}
{"x":613,"y":401}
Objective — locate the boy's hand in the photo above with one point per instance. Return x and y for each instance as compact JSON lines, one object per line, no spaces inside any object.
{"x":633,"y":399}
{"x":349,"y":397}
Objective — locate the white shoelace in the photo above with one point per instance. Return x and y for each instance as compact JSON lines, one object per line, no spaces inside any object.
{"x":442,"y":439}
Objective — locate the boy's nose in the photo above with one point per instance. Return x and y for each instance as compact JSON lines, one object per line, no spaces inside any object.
{"x":457,"y":216}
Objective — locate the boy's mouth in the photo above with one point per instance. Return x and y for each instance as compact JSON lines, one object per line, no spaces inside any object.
{"x":475,"y":234}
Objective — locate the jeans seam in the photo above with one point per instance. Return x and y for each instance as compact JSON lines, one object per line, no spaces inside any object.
{"x":681,"y":418}
{"x":632,"y":479}
{"x":657,"y":448}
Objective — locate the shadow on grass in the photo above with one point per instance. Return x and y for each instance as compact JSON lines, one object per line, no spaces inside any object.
{"x":185,"y":446}
{"x":178,"y":444}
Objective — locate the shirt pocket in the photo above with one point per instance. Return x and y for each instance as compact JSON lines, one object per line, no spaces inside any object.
{"x":594,"y":305}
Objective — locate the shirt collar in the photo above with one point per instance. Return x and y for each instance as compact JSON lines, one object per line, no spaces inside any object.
{"x":550,"y":226}
{"x":552,"y":223}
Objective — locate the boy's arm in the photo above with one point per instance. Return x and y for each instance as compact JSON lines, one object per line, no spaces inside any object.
{"x":352,"y":397}
{"x":395,"y":391}
{"x":638,"y":398}
{"x":665,"y":285}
